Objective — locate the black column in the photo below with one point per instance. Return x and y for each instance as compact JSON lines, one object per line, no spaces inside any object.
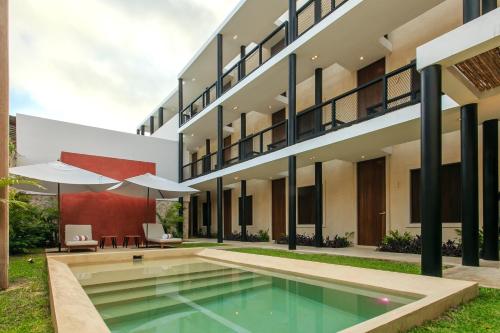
{"x":318,"y":99}
{"x":143,"y":129}
{"x":180,"y":93}
{"x":469,"y":178}
{"x":219,"y":211}
{"x":243,"y":68}
{"x":160,"y":117}
{"x":181,"y":157}
{"x":317,"y":11}
{"x":292,"y":202}
{"x":430,"y":185}
{"x":490,"y":189}
{"x":219,"y":65}
{"x":318,"y":200}
{"x":489,"y":5}
{"x":292,"y":98}
{"x":220,"y":138}
{"x":243,"y":212}
{"x":138,"y":132}
{"x":292,"y":20}
{"x":243,"y":135}
{"x":151,"y":125}
{"x":471,"y":10}
{"x":181,"y":213}
{"x":209,"y":214}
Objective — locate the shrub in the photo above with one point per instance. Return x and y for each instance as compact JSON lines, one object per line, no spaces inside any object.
{"x":305,"y":240}
{"x":401,"y":243}
{"x":261,"y":236}
{"x":171,"y":220}
{"x":30,"y":226}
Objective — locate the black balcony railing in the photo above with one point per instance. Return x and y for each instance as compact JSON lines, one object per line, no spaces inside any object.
{"x":314,"y":11}
{"x":200,"y":167}
{"x":199,"y":103}
{"x":390,"y":92}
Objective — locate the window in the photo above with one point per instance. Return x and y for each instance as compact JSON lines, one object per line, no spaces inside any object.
{"x":307,"y":211}
{"x":249,"y":210}
{"x":450,"y":194}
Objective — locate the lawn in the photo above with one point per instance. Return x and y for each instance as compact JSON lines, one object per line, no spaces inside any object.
{"x":481,"y":315}
{"x":24,"y":307}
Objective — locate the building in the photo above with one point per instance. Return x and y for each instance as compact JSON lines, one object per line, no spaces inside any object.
{"x":359,"y":116}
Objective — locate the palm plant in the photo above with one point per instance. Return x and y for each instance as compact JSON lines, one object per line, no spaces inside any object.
{"x":171,"y":219}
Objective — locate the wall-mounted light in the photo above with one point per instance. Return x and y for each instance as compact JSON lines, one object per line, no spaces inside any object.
{"x":235,"y":108}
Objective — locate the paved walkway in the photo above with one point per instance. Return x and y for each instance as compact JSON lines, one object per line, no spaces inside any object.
{"x":487,"y":275}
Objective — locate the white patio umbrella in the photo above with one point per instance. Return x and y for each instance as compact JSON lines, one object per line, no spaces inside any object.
{"x":151,"y":186}
{"x":57,"y":177}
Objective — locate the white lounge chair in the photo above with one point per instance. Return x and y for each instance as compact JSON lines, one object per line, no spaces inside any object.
{"x":154,"y":233}
{"x":73,"y":230}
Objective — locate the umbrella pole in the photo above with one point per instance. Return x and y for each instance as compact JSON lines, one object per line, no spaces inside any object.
{"x":147,"y":223}
{"x":59,"y":211}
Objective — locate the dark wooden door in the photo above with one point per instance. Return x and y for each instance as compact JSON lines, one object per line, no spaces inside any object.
{"x":278,"y":208}
{"x":194,"y":169}
{"x":193,"y":203}
{"x":370,"y":98}
{"x":278,"y":134}
{"x":227,"y":214}
{"x":227,"y":152}
{"x":371,"y":201}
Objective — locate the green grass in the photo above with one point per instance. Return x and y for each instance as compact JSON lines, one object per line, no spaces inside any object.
{"x":384,"y":265}
{"x":193,"y":244}
{"x":481,"y":315}
{"x":24,"y":307}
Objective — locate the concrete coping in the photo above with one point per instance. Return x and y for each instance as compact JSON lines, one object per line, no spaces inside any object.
{"x":72,"y":310}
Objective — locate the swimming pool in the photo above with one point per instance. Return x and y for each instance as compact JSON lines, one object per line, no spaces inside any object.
{"x":192,"y":294}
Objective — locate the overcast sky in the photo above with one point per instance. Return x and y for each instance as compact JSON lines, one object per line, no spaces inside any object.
{"x":104,"y":63}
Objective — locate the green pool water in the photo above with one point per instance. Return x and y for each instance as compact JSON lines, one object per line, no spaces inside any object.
{"x":193,"y":295}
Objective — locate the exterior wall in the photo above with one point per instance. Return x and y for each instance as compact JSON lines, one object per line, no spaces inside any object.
{"x":108,"y":213}
{"x":42,"y":140}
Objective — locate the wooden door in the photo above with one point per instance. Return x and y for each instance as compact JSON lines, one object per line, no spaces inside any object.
{"x":227,"y":214}
{"x":227,"y":152}
{"x":370,"y":98}
{"x":278,"y":134}
{"x":194,"y":166}
{"x":193,"y":205}
{"x":371,"y":201}
{"x":278,"y":208}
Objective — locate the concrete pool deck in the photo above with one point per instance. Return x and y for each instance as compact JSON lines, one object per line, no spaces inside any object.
{"x":72,"y":310}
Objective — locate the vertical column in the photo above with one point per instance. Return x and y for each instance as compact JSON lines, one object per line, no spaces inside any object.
{"x":219,"y":65}
{"x":219,"y":211}
{"x":138,"y":131}
{"x":243,"y":135}
{"x":220,"y":138}
{"x":292,"y":20}
{"x":431,"y":171}
{"x":489,"y":5}
{"x":317,"y":11}
{"x":160,"y":117}
{"x":4,"y":137}
{"x":180,"y":225}
{"x":292,"y":98}
{"x":318,"y":99}
{"x":207,"y":162}
{"x":469,"y":177}
{"x":151,"y":125}
{"x":209,"y":214}
{"x":292,"y":202}
{"x":318,"y":201}
{"x":243,"y":212}
{"x":490,"y":189}
{"x":180,"y":93}
{"x":471,"y":10}
{"x":243,"y":68}
{"x":143,"y":129}
{"x":181,"y":158}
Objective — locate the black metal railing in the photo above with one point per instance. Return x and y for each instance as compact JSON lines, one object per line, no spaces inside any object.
{"x":313,"y":11}
{"x":198,"y":104}
{"x":390,"y":92}
{"x":200,"y":167}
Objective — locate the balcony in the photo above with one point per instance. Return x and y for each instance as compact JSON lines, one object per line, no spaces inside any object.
{"x":390,"y":92}
{"x":308,"y":15}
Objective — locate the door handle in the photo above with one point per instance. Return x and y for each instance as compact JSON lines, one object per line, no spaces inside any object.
{"x":382,"y":213}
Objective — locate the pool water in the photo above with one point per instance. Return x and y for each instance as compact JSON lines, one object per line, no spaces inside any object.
{"x":195,"y":295}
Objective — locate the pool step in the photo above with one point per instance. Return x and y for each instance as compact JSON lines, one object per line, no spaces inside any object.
{"x":159,"y":305}
{"x":98,"y":289}
{"x":159,"y":290}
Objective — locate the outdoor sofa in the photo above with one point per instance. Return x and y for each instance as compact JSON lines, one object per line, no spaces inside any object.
{"x":154,"y":233}
{"x":74,"y":231}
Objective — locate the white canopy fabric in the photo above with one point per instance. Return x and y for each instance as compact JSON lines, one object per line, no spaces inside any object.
{"x":158,"y":187}
{"x":51,"y":175}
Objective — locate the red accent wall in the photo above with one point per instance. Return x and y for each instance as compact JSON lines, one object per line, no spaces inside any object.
{"x":108,"y":213}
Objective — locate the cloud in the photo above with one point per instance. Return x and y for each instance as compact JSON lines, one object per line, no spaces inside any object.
{"x":104,"y":63}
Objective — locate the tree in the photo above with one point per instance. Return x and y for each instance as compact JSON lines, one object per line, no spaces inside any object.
{"x":171,"y":219}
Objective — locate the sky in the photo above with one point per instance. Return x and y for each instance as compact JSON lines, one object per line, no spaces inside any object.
{"x":103,"y":63}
